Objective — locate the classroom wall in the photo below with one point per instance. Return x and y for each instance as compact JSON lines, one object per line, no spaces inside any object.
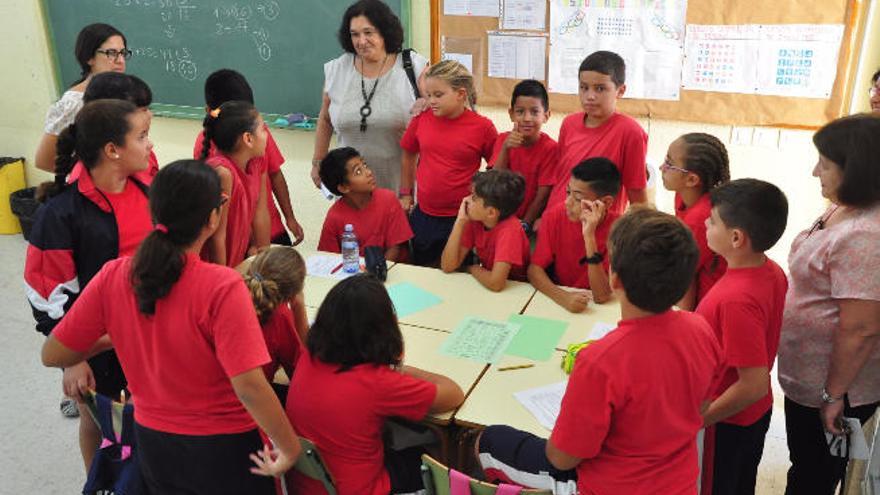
{"x":784,"y":157}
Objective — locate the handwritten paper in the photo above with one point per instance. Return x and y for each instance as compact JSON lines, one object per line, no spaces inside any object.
{"x":465,"y":59}
{"x":409,"y":299}
{"x":479,"y":340}
{"x":543,"y":402}
{"x":524,"y":14}
{"x":601,"y":329}
{"x":517,"y":56}
{"x":537,"y":337}
{"x":328,"y":266}
{"x":480,"y":8}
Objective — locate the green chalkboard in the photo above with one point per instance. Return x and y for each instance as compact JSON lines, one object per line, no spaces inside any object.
{"x":279,"y":45}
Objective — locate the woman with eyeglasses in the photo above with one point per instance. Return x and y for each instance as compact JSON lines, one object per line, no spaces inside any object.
{"x":99,"y":48}
{"x":829,"y":357}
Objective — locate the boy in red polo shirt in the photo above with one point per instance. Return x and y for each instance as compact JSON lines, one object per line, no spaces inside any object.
{"x":376,"y":214}
{"x":601,"y":131}
{"x":631,"y":410}
{"x":744,"y":309}
{"x":486,"y":223}
{"x":528,"y":151}
{"x":573,"y":236}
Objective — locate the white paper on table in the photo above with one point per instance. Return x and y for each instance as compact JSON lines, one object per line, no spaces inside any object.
{"x":543,"y":402}
{"x":517,"y":56}
{"x":465,"y":59}
{"x":524,"y":14}
{"x":480,"y":8}
{"x":601,"y":329}
{"x":650,"y":39}
{"x":328,"y":266}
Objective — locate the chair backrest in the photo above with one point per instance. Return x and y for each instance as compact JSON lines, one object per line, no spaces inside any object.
{"x":437,"y":480}
{"x":310,"y":464}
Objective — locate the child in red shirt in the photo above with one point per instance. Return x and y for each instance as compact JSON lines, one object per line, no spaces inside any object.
{"x":239,"y":134}
{"x":350,"y":382}
{"x":600,"y":131}
{"x":229,"y":85}
{"x":695,"y":164}
{"x":486,"y":224}
{"x":448,"y":143}
{"x":528,"y":151}
{"x":573,"y":238}
{"x":745,"y":309}
{"x":631,"y":410}
{"x":375,"y":213}
{"x":193,"y":357}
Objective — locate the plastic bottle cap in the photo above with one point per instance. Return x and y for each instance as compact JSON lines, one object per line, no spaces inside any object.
{"x":349,"y":227}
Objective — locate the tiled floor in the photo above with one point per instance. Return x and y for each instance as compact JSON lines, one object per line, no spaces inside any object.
{"x":38,"y":451}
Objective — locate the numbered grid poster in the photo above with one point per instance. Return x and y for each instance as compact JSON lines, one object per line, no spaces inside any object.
{"x":648,"y":34}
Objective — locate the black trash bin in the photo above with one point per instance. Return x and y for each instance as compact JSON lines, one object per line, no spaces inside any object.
{"x":25,"y":206}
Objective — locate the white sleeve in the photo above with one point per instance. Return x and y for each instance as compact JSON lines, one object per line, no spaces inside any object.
{"x":62,"y":113}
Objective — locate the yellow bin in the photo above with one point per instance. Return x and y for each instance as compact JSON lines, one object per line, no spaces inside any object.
{"x":11,"y":180}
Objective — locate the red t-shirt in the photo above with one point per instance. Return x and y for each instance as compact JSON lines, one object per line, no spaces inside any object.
{"x":282,"y":342}
{"x":346,"y":423}
{"x":561,"y":244}
{"x":381,"y":223}
{"x":273,"y":160}
{"x":711,"y":267}
{"x":745,"y":310}
{"x":133,"y":222}
{"x":242,"y":206}
{"x":178,"y":361}
{"x":620,"y":139}
{"x":145,"y":176}
{"x":449,"y":151}
{"x":536,"y":163}
{"x":505,"y":242}
{"x":631,"y":410}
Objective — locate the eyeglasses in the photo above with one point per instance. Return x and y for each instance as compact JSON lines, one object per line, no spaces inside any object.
{"x":114,"y":54}
{"x":668,"y":166}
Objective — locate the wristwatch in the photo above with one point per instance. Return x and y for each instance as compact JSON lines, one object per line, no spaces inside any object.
{"x":592,"y":260}
{"x":827,"y":398}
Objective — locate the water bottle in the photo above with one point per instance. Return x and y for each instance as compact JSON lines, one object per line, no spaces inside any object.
{"x":350,"y":252}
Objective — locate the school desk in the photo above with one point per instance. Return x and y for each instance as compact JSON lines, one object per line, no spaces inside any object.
{"x":579,"y":324}
{"x":461,"y":295}
{"x":316,"y":287}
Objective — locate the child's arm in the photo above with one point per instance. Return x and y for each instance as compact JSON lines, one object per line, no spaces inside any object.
{"x":218,"y":239}
{"x":495,"y":280}
{"x":392,"y":253}
{"x":300,"y":318}
{"x":537,"y":206}
{"x":560,"y":459}
{"x":323,"y":132}
{"x":454,"y":253}
{"x":751,"y":386}
{"x":688,"y":302}
{"x":257,"y":396}
{"x":449,"y":394}
{"x":262,"y":226}
{"x":513,"y":140}
{"x":282,"y":194}
{"x":573,"y":301}
{"x":592,"y":214}
{"x":636,"y":196}
{"x":407,"y":179}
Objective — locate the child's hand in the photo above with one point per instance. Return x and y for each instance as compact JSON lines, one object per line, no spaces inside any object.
{"x":271,"y":462}
{"x":592,"y":213}
{"x":406,"y":202}
{"x":295,"y":229}
{"x":576,"y":301}
{"x":514,"y":139}
{"x":463,"y":209}
{"x":78,"y":380}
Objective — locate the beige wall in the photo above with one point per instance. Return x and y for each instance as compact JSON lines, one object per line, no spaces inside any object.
{"x":784,"y":157}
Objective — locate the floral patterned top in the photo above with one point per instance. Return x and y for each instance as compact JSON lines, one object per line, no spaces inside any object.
{"x":62,"y":113}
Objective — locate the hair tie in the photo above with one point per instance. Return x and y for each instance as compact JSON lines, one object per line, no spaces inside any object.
{"x":161,"y":228}
{"x":256,"y":276}
{"x":215,"y":112}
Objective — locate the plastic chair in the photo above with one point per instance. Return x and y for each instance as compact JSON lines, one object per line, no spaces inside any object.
{"x":115,"y":467}
{"x":311,"y":465}
{"x":441,"y":480}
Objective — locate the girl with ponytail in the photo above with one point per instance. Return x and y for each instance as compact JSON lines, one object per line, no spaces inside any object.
{"x":237,"y":131}
{"x":81,"y":226}
{"x":193,"y":356}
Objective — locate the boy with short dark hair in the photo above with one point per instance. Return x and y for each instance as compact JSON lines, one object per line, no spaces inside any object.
{"x":486,"y":223}
{"x":228,"y":85}
{"x":601,"y":131}
{"x":527,"y":150}
{"x":744,"y":309}
{"x":631,"y":410}
{"x":573,"y":236}
{"x":375,"y":213}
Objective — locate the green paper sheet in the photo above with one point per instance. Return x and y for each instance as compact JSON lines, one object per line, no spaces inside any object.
{"x":409,"y":299}
{"x":479,"y":340}
{"x":537,"y":337}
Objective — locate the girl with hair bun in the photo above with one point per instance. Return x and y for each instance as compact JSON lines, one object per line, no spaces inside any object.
{"x":193,"y":357}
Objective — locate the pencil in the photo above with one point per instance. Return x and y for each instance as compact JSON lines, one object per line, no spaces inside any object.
{"x":520,"y":367}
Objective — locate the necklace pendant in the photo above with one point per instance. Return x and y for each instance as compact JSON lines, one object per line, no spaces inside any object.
{"x":364,"y":124}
